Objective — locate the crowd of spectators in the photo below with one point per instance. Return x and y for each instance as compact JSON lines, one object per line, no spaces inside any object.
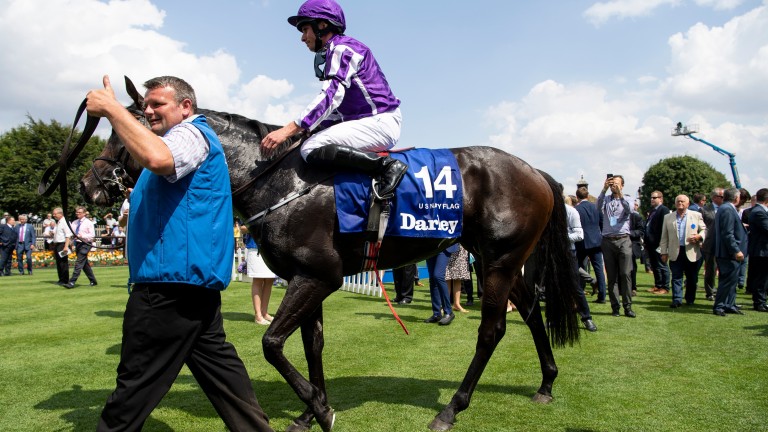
{"x":26,"y":233}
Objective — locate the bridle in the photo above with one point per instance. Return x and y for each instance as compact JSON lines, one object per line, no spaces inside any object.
{"x":118,"y":173}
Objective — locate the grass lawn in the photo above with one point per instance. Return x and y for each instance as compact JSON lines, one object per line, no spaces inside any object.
{"x":666,"y":370}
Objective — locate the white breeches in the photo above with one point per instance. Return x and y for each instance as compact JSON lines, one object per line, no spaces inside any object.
{"x":375,"y":133}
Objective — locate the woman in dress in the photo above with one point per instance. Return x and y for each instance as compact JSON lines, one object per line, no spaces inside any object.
{"x":456,"y":272}
{"x":262,"y":279}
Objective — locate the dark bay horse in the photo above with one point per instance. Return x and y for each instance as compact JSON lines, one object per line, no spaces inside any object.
{"x":509,"y":208}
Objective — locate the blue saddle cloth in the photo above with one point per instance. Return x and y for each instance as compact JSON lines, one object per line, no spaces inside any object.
{"x":428,"y":203}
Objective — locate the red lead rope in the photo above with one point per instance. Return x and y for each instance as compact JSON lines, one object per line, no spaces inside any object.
{"x":389,"y":303}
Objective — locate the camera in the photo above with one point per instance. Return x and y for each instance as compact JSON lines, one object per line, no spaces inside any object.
{"x":608,"y":176}
{"x":63,"y":253}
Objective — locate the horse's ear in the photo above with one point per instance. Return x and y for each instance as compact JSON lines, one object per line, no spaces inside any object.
{"x":137,"y":98}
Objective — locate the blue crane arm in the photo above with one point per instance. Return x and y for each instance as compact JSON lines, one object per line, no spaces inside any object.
{"x":731,"y":158}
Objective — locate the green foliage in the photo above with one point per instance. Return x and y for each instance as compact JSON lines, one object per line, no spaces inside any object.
{"x":679,"y":175}
{"x":26,"y":151}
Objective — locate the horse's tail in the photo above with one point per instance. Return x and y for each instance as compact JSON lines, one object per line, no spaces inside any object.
{"x":556,"y":273}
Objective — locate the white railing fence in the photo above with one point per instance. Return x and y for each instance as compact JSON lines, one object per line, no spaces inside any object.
{"x":240,"y":254}
{"x":362,"y":283}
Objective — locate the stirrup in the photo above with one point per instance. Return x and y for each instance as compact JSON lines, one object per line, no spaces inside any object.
{"x":375,"y":191}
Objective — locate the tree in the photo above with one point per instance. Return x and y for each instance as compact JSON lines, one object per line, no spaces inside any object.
{"x":679,"y":175}
{"x":26,"y":151}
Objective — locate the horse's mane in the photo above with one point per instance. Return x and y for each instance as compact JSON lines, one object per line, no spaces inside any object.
{"x":242,"y":128}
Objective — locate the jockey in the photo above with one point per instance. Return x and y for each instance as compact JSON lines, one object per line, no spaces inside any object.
{"x":355,"y":115}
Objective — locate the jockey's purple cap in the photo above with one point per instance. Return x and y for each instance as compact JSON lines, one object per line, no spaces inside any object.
{"x":327,"y":10}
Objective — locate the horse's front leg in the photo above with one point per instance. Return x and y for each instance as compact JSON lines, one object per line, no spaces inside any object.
{"x":493,"y":326}
{"x":312,"y":338}
{"x":301,"y":305}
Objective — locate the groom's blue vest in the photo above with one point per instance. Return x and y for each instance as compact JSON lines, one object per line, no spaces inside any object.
{"x":182,"y":232}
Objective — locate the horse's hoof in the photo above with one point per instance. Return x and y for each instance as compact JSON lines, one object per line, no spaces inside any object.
{"x":439,"y":425}
{"x":326,"y":420}
{"x":296,"y":427}
{"x":541,"y":398}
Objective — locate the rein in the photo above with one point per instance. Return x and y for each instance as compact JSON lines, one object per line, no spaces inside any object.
{"x":269,"y":168}
{"x":60,"y":168}
{"x":46,"y":188}
{"x":285,"y":200}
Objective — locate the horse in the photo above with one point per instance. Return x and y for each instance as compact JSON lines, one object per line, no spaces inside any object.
{"x":509,"y":209}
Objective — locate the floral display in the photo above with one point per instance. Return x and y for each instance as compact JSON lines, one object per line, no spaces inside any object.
{"x":97,"y":257}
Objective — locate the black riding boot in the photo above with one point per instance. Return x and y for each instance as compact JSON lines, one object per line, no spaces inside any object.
{"x":391,"y":171}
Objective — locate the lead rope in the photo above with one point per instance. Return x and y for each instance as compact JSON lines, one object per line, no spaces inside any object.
{"x":386,"y":297}
{"x":383,"y":221}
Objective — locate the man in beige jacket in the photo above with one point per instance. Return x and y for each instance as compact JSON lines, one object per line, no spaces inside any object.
{"x":682,"y":234}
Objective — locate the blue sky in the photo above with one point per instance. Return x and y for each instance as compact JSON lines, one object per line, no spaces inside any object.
{"x":573,"y":87}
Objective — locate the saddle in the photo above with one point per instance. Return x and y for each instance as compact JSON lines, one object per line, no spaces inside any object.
{"x":378,"y":212}
{"x":427,"y":204}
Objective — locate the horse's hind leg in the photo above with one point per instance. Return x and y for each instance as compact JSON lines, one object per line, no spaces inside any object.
{"x":530,"y":310}
{"x":313,"y":340}
{"x":301,"y":305}
{"x":493,"y":326}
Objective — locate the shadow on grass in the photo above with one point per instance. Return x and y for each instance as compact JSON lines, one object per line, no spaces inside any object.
{"x":696,"y":308}
{"x":83,"y":407}
{"x":109,"y":314}
{"x":762,"y":328}
{"x":238,"y":316}
{"x":473,"y":315}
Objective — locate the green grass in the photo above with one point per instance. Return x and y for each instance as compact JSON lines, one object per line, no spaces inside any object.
{"x":666,"y":370}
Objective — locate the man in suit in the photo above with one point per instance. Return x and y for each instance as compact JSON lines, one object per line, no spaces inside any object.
{"x":681,"y":236}
{"x":404,"y":278}
{"x":652,"y":240}
{"x":708,"y":212}
{"x":758,"y":251}
{"x":699,"y":200}
{"x":7,"y":244}
{"x":744,"y":213}
{"x":591,"y":221}
{"x":26,"y":243}
{"x":636,"y":234}
{"x":730,"y":251}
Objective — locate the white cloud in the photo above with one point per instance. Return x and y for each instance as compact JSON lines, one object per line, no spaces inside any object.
{"x":722,"y":69}
{"x":719,"y":4}
{"x":748,"y":142}
{"x":601,"y":12}
{"x":647,"y":79}
{"x":255,"y":99}
{"x":573,"y":130}
{"x":718,"y":78}
{"x":50,"y":58}
{"x":570,"y":130}
{"x":569,"y":117}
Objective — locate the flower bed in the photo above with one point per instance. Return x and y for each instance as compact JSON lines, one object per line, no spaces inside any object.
{"x":99,"y":257}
